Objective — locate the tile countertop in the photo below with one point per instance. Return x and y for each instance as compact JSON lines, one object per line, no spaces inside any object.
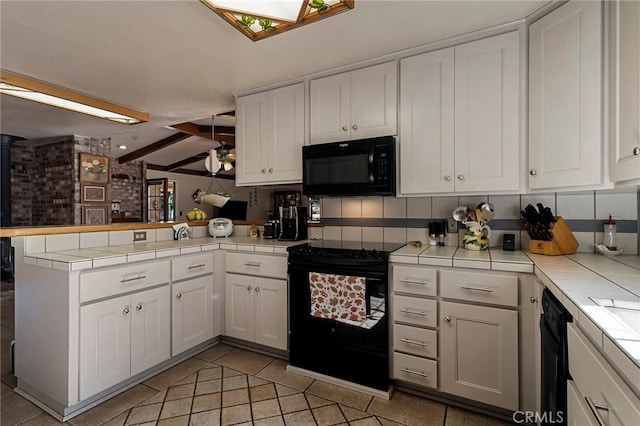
{"x":574,"y":280}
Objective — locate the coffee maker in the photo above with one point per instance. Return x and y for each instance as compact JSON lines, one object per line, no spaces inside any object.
{"x":293,"y":223}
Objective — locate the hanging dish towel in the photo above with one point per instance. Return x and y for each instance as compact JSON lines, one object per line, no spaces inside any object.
{"x":338,"y":297}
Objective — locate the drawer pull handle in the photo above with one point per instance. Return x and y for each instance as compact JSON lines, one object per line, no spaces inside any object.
{"x":417,"y":373}
{"x":200,"y":265}
{"x":414,"y":342}
{"x":253,"y":264}
{"x":410,"y":281}
{"x":486,"y":290}
{"x":126,"y":280}
{"x":595,"y":409}
{"x":410,"y":311}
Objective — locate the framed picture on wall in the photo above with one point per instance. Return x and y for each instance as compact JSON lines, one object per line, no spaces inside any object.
{"x":94,"y":215}
{"x":93,"y":194}
{"x":94,"y":168}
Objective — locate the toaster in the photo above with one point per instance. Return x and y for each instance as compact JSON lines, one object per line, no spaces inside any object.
{"x":220,"y":227}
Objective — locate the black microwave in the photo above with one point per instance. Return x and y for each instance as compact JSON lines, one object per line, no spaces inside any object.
{"x":359,"y":167}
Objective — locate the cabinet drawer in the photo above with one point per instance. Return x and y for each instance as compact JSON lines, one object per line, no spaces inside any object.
{"x":114,"y":281}
{"x":415,"y":370}
{"x":415,"y":311}
{"x":415,"y":280}
{"x":476,"y":287}
{"x":256,"y":264}
{"x":597,"y":381}
{"x":417,"y":341}
{"x":190,"y":266}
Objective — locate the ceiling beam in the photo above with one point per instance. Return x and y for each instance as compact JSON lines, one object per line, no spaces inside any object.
{"x":192,"y":129}
{"x":188,"y":171}
{"x":186,"y":161}
{"x":224,"y":134}
{"x":156,"y":146}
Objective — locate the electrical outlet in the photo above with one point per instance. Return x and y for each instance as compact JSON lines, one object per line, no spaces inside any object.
{"x":452,"y":225}
{"x":140,"y":236}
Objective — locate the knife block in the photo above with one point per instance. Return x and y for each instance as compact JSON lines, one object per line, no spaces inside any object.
{"x":563,"y":242}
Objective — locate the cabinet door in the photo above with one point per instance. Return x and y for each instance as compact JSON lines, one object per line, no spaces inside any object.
{"x":374,"y":101}
{"x":271,"y":312}
{"x":252,"y":132}
{"x":565,"y":84}
{"x":625,"y":91}
{"x":479,"y":353}
{"x":426,"y":123}
{"x":104,"y":344}
{"x":192,"y":315}
{"x":487,"y":114}
{"x":286,"y":134}
{"x":239,"y":306}
{"x":150,"y":328}
{"x":330,"y":109}
{"x":577,"y":413}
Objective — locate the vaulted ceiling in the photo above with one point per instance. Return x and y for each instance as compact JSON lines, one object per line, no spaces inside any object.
{"x":182,"y":63}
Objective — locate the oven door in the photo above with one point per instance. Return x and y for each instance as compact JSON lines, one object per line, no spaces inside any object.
{"x":331,"y":347}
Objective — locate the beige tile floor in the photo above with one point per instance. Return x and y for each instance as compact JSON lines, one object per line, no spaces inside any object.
{"x":230,"y":386}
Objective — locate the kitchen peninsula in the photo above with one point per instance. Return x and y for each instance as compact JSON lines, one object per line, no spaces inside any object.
{"x":73,"y":286}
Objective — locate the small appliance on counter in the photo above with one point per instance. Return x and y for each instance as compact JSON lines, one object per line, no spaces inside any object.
{"x":271,"y":229}
{"x":437,"y":232}
{"x":220,"y":227}
{"x":293,"y":223}
{"x":314,"y":208}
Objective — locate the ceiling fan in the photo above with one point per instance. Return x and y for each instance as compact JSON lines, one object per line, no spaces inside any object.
{"x":221,"y":158}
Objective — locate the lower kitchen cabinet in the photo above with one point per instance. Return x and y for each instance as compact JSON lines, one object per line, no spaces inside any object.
{"x":192,"y":316}
{"x":256,"y":309}
{"x":578,"y":413}
{"x":479,"y":353}
{"x":122,"y":337}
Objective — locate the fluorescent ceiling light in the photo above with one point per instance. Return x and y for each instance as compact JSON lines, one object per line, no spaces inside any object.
{"x":258,"y":19}
{"x":38,"y":91}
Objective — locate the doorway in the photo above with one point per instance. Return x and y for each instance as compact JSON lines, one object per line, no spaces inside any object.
{"x":160,"y":200}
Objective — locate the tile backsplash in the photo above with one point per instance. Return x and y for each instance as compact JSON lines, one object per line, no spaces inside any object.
{"x":394,"y":219}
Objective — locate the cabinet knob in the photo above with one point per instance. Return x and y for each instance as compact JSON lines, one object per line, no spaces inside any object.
{"x":139,"y":307}
{"x":270,"y":169}
{"x":533,"y":299}
{"x":533,"y":173}
{"x":249,"y":288}
{"x":345,"y":128}
{"x":264,"y":171}
{"x":447,"y":178}
{"x":636,"y":150}
{"x":354,"y":127}
{"x":179,"y":296}
{"x":257,"y":289}
{"x":447,"y":319}
{"x":460,"y":177}
{"x":125,"y":310}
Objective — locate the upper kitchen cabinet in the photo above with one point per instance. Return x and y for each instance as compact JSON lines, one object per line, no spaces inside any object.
{"x":624,"y":92}
{"x":460,"y":124}
{"x":270,"y":136}
{"x":565,"y":97}
{"x":354,"y":105}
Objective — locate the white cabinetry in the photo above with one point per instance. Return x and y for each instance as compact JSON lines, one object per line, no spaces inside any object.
{"x":256,"y":306}
{"x":459,"y":125}
{"x":479,"y":344}
{"x":270,"y":131}
{"x":565,"y":97}
{"x":354,"y":105}
{"x":597,"y":394}
{"x":191,"y":301}
{"x":624,"y":91}
{"x":121,"y":337}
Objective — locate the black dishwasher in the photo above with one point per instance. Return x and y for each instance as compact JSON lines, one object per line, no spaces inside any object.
{"x":554,"y":359}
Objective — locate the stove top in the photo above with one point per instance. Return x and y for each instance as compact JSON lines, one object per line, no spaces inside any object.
{"x":345,"y":249}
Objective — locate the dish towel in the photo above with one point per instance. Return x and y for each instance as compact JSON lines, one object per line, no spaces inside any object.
{"x":338,"y":297}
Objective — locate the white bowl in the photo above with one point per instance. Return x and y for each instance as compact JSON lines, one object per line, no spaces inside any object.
{"x":605,"y":251}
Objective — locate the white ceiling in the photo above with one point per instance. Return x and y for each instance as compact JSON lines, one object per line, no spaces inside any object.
{"x":179,"y":61}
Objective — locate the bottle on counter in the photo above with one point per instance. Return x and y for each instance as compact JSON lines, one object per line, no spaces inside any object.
{"x":610,"y":230}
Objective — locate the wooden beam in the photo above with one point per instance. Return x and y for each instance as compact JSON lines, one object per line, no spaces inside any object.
{"x":191,"y":172}
{"x":223,"y":130}
{"x":156,"y":146}
{"x":224,"y":134}
{"x":193,"y":129}
{"x":190,"y":160}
